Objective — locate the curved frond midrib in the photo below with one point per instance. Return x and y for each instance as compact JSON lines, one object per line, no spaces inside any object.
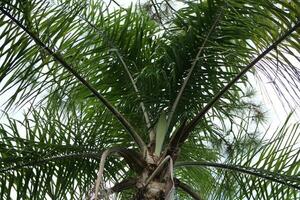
{"x":289,"y":181}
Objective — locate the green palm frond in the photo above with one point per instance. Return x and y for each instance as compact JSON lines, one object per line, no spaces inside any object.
{"x":58,"y":149}
{"x":260,"y":48}
{"x":266,"y":171}
{"x":59,"y":58}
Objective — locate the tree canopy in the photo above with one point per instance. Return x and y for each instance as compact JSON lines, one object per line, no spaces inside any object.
{"x":151,"y":87}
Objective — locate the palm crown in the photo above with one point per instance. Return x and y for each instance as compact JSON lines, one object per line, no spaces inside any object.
{"x":164,"y":92}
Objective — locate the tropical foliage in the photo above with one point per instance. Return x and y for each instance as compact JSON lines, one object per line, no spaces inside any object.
{"x":155,"y":94}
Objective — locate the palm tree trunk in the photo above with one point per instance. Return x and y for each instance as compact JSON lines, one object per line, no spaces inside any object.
{"x":156,"y":181}
{"x":155,"y":191}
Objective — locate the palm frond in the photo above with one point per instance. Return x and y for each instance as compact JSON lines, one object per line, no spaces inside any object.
{"x":190,"y":126}
{"x":270,"y":170}
{"x":40,"y":154}
{"x":58,"y":57}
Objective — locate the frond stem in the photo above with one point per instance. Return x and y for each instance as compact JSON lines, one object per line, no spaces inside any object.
{"x":188,"y":189}
{"x":180,"y":93}
{"x":158,"y":169}
{"x":145,"y":113}
{"x":123,"y":185}
{"x":271,"y":176}
{"x":93,"y":155}
{"x":99,"y":180}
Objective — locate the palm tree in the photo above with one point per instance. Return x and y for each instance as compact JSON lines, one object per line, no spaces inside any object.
{"x":147,"y":102}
